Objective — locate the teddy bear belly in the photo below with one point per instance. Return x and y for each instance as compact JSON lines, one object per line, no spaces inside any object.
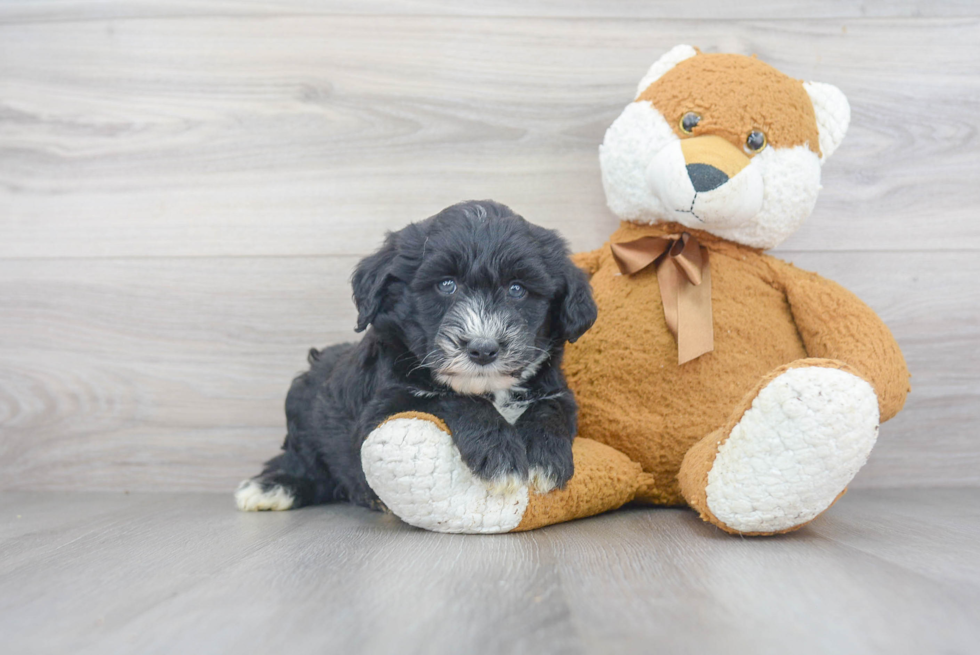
{"x":631,"y":392}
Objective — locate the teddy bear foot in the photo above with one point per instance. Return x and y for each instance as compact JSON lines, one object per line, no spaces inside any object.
{"x":414,"y":467}
{"x":793,"y":448}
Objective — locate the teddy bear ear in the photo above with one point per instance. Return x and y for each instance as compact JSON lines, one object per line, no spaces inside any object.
{"x":833,"y":115}
{"x":676,"y":55}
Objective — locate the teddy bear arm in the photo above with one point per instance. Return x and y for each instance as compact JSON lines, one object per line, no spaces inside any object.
{"x":416,"y":470}
{"x":587,"y":261}
{"x":836,"y":324}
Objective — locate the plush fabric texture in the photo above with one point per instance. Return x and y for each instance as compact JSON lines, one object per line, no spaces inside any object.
{"x":833,"y":114}
{"x":735,"y":95}
{"x":634,"y":397}
{"x":793,"y":452}
{"x":605,"y":479}
{"x":415,"y":469}
{"x":787,"y":451}
{"x":645,"y":155}
{"x":670,"y":59}
{"x":834,"y":323}
{"x":410,"y":461}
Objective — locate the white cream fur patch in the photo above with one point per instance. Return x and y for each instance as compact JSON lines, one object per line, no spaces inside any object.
{"x":477,"y":385}
{"x":732,"y":205}
{"x":631,"y":143}
{"x":833,"y":114}
{"x":251,"y":498}
{"x":541,"y":480}
{"x":507,"y":406}
{"x":790,"y":185}
{"x":806,"y":435}
{"x":416,"y":470}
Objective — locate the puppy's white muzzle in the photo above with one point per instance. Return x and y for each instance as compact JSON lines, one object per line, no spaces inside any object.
{"x":472,"y":320}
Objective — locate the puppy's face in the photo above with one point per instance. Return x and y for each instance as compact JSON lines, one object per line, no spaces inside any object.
{"x":479,"y":295}
{"x":484,"y":298}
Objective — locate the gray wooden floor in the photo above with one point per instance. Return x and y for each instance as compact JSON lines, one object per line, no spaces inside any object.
{"x":885,"y":571}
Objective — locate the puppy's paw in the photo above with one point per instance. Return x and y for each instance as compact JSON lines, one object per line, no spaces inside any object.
{"x":255,"y":496}
{"x":551,"y":463}
{"x":505,"y":484}
{"x":500,"y":460}
{"x":542,"y":480}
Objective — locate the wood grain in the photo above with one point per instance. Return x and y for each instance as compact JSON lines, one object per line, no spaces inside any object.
{"x":75,"y":10}
{"x":162,"y":374}
{"x":147,"y":366}
{"x":884,"y":571}
{"x":185,"y":186}
{"x":301,"y":135}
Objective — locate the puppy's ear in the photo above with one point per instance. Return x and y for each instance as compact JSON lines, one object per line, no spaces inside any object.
{"x":371,"y":280}
{"x":577,"y":311}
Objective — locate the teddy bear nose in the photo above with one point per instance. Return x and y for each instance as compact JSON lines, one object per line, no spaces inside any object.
{"x":705,"y":177}
{"x":482,"y":351}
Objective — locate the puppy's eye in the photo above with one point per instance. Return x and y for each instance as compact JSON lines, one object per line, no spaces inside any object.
{"x":516,"y":290}
{"x":689,"y":121}
{"x":755,"y":141}
{"x":447,"y":286}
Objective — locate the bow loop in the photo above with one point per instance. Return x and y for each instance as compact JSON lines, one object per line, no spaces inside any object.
{"x":684,"y":277}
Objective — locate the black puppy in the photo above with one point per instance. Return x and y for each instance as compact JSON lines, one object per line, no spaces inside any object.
{"x":469,"y":313}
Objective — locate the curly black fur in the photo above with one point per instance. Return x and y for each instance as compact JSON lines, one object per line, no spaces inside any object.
{"x":419,"y":355}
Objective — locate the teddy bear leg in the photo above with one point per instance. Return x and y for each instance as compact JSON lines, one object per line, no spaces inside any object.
{"x":787,"y":452}
{"x":410,"y":461}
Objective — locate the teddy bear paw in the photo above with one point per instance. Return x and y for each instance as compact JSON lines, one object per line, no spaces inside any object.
{"x":794,"y":450}
{"x":416,"y":470}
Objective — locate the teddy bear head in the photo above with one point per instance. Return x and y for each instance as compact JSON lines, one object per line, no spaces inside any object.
{"x":722,"y":143}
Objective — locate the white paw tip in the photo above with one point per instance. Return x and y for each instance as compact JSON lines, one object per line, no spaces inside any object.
{"x":542,"y":481}
{"x":505,"y":484}
{"x":794,"y":451}
{"x":250,"y":497}
{"x":417,"y":472}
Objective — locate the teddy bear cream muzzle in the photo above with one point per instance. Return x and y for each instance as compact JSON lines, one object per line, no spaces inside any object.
{"x":705,"y":182}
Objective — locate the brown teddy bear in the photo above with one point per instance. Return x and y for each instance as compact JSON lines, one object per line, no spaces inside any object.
{"x":716,"y":376}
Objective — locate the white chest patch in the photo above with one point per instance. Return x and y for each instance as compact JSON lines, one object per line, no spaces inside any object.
{"x":509,"y":407}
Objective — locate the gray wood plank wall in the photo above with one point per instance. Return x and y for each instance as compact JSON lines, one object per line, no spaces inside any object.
{"x":185,"y":187}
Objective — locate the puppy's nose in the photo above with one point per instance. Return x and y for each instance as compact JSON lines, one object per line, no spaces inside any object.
{"x":482,"y":351}
{"x":705,"y":177}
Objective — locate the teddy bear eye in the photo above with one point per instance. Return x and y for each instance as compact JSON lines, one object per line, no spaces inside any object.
{"x":689,"y":121}
{"x":755,"y":141}
{"x":447,"y":286}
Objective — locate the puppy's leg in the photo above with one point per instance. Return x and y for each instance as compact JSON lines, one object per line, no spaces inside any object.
{"x":489,"y":445}
{"x":551,"y":460}
{"x":413,"y":465}
{"x":548,"y":428}
{"x":286,"y":483}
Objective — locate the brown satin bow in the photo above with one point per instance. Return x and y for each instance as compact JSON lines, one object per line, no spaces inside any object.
{"x":684,"y":277}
